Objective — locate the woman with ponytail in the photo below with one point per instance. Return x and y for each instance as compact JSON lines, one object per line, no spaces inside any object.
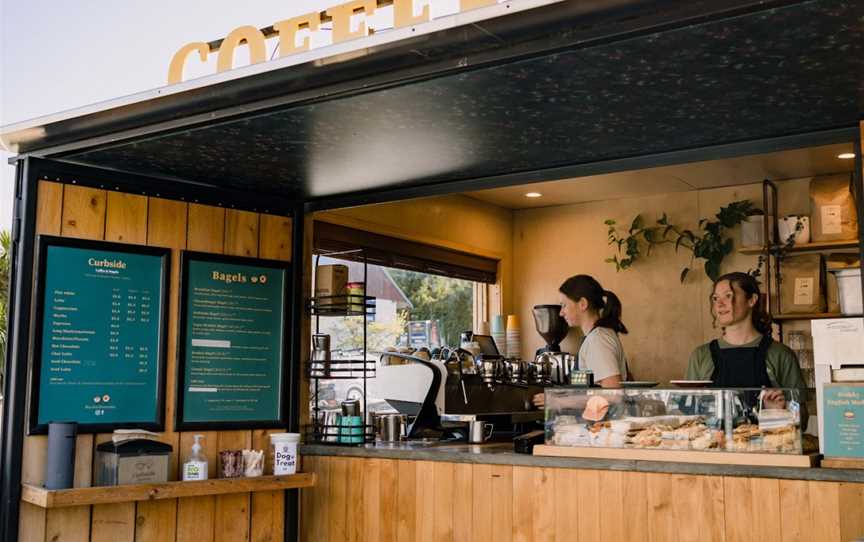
{"x":597,"y":312}
{"x":745,"y":355}
{"x":586,"y":305}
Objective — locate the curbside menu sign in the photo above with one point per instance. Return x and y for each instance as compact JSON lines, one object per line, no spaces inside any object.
{"x":232,"y":345}
{"x":100,"y":341}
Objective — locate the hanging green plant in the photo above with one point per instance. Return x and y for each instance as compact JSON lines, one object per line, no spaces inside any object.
{"x":708,"y":243}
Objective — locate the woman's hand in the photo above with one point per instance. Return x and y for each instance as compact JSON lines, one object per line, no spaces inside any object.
{"x":539,"y":400}
{"x":773,"y":399}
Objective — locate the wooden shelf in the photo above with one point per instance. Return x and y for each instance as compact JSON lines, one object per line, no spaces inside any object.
{"x":57,"y":498}
{"x":683,"y":456}
{"x":807,"y":247}
{"x":843,"y":463}
{"x":812,"y":316}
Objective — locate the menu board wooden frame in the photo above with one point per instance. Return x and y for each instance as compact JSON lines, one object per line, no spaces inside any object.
{"x":43,"y":244}
{"x":281,"y":420}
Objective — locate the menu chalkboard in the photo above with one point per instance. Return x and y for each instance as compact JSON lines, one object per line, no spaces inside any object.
{"x":100,"y":342}
{"x":232,"y":342}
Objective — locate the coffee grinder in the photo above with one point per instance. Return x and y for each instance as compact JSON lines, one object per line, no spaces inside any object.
{"x":551,"y":326}
{"x":551,"y":366}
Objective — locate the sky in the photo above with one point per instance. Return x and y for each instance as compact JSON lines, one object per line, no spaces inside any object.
{"x":56,"y":56}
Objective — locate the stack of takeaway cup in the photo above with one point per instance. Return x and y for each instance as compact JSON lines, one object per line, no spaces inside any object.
{"x":514,"y":341}
{"x":499,"y":334}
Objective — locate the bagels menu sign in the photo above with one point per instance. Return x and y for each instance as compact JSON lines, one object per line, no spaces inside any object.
{"x":287,"y":32}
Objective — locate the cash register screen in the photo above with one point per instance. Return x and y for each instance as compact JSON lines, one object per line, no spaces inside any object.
{"x":487,"y":346}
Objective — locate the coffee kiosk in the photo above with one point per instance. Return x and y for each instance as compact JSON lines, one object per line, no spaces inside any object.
{"x":232,"y":168}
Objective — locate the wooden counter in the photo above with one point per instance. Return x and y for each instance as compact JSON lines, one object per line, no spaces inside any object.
{"x":372,"y":497}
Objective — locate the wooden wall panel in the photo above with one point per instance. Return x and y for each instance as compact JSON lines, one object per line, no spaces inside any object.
{"x":267,"y":520}
{"x":502,"y":502}
{"x":795,"y":511}
{"x":125,"y":222}
{"x":481,"y":504}
{"x":588,"y":505}
{"x":463,"y":506}
{"x":442,"y":502}
{"x":337,"y":517}
{"x":425,"y":500}
{"x":566,"y":518}
{"x":233,"y":511}
{"x":113,"y":522}
{"x":354,"y":502}
{"x":32,"y":519}
{"x":83,"y":217}
{"x":424,"y":521}
{"x":75,"y":211}
{"x":406,"y":519}
{"x":851,"y":511}
{"x":275,"y":237}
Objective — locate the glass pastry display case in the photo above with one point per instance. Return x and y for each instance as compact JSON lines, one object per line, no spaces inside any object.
{"x":725,"y":420}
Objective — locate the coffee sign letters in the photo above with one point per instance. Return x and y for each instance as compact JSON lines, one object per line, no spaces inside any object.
{"x":286,"y":32}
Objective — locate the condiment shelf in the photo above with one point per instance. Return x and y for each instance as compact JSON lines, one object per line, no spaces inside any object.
{"x":804,"y":247}
{"x":342,"y":305}
{"x":59,"y":498}
{"x":812,"y":316}
{"x":341,"y":369}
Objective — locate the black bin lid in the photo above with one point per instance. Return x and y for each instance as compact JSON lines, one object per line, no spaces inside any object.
{"x":139,"y":446}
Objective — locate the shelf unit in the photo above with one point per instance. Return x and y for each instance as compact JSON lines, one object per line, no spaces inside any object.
{"x":812,"y":316}
{"x":773,"y":255}
{"x":59,"y":498}
{"x":341,"y":306}
{"x":806,"y":247}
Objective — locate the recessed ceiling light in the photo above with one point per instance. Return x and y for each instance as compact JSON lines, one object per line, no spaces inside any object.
{"x":533,"y":195}
{"x":846,"y":156}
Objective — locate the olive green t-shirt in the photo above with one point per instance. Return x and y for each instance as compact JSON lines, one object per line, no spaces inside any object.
{"x":783,"y":368}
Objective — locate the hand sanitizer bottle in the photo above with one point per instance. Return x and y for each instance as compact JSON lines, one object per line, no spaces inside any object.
{"x":196,"y":467}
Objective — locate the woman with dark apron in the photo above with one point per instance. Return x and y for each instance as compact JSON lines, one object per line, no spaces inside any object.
{"x":745,"y":356}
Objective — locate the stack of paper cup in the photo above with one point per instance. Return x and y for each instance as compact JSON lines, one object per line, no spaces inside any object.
{"x":499,"y":334}
{"x":514,"y":341}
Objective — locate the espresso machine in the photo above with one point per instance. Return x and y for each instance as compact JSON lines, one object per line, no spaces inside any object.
{"x":554,"y":365}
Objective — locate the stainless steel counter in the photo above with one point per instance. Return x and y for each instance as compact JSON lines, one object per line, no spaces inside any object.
{"x":502,"y":454}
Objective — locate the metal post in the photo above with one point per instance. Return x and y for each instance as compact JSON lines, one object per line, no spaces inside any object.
{"x":298,"y":332}
{"x":858,"y":196}
{"x":17,"y":353}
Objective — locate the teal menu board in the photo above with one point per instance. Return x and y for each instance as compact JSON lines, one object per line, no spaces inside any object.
{"x":843,"y":420}
{"x":100,"y":356}
{"x":233,"y":325}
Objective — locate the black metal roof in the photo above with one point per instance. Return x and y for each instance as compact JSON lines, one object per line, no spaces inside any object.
{"x":563,"y":85}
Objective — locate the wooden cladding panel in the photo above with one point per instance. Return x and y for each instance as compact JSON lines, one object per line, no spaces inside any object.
{"x":32,"y":519}
{"x":83,"y":216}
{"x":125,"y":222}
{"x":75,"y":211}
{"x":382,"y":500}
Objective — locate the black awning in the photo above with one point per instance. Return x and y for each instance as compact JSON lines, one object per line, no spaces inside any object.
{"x":595,"y":88}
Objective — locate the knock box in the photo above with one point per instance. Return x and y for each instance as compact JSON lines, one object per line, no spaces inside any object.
{"x":137,"y":461}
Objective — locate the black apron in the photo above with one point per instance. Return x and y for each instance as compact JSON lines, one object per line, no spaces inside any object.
{"x":743,"y":367}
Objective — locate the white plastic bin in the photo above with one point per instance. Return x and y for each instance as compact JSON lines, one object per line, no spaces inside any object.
{"x":849,"y":284}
